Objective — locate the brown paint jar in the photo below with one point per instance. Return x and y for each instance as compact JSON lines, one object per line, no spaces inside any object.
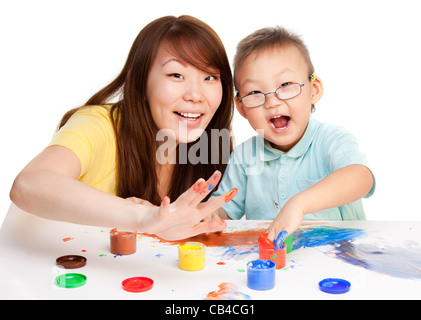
{"x":122,"y":242}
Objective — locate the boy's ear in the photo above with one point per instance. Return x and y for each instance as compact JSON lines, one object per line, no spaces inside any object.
{"x":240,"y":107}
{"x":317,"y":90}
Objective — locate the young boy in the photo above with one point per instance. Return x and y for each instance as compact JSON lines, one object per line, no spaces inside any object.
{"x":297,"y":167}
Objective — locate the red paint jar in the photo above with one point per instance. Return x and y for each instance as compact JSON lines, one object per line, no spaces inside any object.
{"x":267,"y":252}
{"x":122,"y":242}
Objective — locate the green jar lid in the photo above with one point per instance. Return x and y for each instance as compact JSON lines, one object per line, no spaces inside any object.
{"x":71,"y":280}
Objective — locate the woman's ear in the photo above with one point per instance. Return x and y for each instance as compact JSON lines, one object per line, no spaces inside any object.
{"x":316,"y":90}
{"x":240,"y":107}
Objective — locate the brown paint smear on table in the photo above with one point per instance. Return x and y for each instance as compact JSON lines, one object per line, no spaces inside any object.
{"x":216,"y":239}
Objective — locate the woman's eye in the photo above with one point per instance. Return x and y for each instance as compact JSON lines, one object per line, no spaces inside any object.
{"x":211,"y":78}
{"x":176,"y":75}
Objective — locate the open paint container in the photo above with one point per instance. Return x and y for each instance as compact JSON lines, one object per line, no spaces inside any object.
{"x":71,"y":261}
{"x":122,"y":242}
{"x":261,"y":274}
{"x":191,"y":256}
{"x":267,"y":251}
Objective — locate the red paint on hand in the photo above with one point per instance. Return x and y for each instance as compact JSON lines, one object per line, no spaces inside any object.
{"x":231,"y":195}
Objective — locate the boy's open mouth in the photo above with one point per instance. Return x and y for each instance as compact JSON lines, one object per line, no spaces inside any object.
{"x":280,"y":122}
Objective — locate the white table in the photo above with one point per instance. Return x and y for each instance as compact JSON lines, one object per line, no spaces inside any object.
{"x":29,"y":246}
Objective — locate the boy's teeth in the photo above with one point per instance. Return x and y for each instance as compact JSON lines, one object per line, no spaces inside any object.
{"x":280,"y":122}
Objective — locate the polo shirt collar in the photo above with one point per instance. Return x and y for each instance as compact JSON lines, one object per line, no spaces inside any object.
{"x":269,"y":153}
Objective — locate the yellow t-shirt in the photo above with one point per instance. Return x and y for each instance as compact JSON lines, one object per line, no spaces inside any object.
{"x":90,"y":135}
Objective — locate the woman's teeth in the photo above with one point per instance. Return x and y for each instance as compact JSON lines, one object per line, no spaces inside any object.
{"x":188,"y":115}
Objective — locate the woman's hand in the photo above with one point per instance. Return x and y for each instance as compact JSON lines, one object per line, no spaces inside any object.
{"x":185,"y":217}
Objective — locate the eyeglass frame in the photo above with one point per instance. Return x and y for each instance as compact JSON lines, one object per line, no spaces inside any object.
{"x":310,"y":77}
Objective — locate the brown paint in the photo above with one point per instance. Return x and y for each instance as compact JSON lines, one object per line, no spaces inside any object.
{"x":122,"y":242}
{"x":236,"y":238}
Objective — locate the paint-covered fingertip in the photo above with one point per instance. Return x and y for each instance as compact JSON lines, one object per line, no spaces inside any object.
{"x":229,"y":196}
{"x":165,"y":202}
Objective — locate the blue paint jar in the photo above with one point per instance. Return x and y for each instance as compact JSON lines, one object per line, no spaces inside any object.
{"x":261,"y":274}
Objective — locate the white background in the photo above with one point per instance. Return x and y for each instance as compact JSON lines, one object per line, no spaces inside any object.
{"x":55,"y":54}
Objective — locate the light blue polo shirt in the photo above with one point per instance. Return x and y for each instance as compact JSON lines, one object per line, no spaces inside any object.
{"x":267,"y":177}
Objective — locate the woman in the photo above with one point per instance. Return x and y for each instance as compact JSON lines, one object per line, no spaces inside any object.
{"x":176,"y":79}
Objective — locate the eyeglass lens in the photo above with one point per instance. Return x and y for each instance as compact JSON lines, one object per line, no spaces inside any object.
{"x":284,"y":93}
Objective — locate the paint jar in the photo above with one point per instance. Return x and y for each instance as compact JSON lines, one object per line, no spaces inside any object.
{"x":267,"y":252}
{"x":191,"y":256}
{"x":289,"y":242}
{"x":261,"y":274}
{"x":122,"y":242}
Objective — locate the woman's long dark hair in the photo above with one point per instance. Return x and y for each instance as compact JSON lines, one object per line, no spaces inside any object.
{"x":194,"y":42}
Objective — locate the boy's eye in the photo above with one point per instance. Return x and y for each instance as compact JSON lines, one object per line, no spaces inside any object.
{"x":253,"y":92}
{"x":285,"y":84}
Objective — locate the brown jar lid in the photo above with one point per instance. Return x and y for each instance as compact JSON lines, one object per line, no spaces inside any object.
{"x":71,"y":261}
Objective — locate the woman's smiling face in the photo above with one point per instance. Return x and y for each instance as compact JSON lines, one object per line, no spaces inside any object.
{"x":182,"y":98}
{"x":283,"y":121}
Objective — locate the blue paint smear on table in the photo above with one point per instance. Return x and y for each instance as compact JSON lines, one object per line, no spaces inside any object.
{"x":400,"y":262}
{"x":323,"y":236}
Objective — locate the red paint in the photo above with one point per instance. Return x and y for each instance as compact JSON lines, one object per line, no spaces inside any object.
{"x":221,"y":263}
{"x":166,"y":201}
{"x":67,"y":239}
{"x":267,"y":252}
{"x":216,"y":239}
{"x":224,"y":290}
{"x":200,"y":187}
{"x":231,"y":195}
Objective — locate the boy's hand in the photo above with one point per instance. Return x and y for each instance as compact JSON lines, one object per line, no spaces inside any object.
{"x":289,"y":219}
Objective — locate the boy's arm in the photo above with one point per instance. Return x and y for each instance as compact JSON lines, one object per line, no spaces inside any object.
{"x":341,"y":187}
{"x":222,"y":214}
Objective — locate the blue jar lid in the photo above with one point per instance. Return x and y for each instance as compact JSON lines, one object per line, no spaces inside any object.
{"x":334,"y":285}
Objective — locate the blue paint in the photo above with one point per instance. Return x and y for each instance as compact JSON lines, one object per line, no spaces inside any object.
{"x":323,"y":236}
{"x":400,"y":262}
{"x":238,"y":252}
{"x":279,"y":242}
{"x":261,"y":274}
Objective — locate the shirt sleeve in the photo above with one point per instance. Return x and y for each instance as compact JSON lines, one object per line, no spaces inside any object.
{"x":85,"y":134}
{"x":341,"y":150}
{"x":234,"y":177}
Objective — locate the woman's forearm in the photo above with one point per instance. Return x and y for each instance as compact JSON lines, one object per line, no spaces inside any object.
{"x":55,"y":196}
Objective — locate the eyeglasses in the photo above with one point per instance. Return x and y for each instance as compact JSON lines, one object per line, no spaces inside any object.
{"x":284,"y":92}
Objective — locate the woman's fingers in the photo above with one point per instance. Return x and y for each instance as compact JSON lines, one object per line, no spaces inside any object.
{"x":217,"y":202}
{"x":209,"y":226}
{"x":198,"y":191}
{"x":189,"y":209}
{"x":165,"y":206}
